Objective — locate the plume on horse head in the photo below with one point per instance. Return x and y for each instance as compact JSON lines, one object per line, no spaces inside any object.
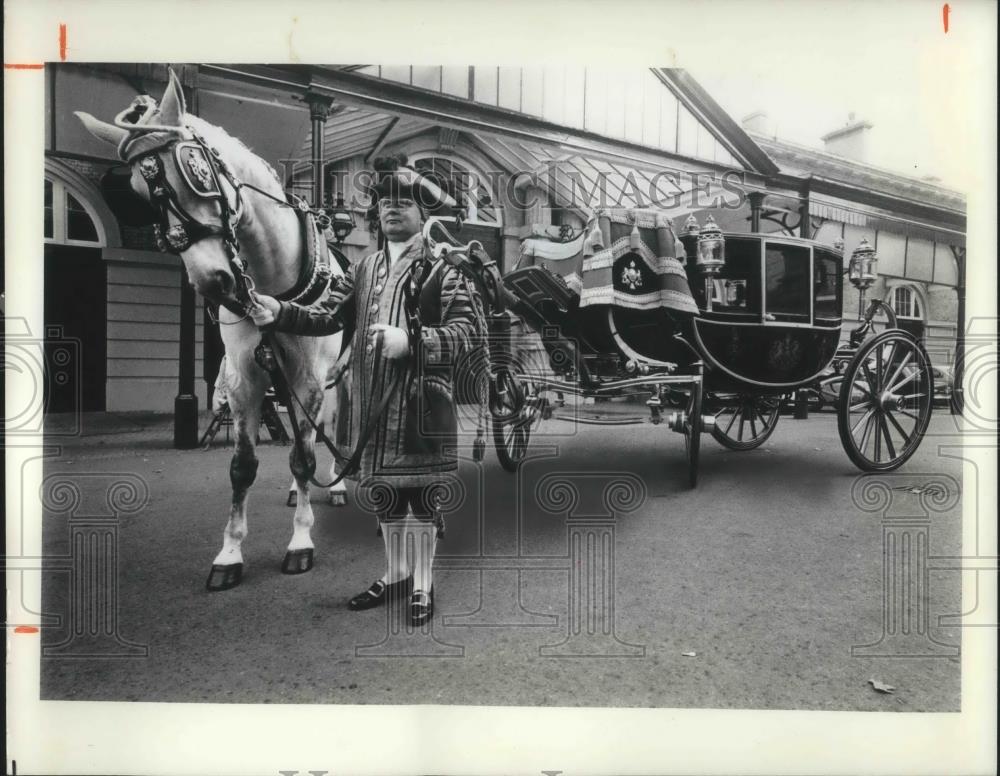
{"x":141,"y":118}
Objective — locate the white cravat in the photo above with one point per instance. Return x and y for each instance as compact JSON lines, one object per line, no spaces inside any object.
{"x":395,"y":250}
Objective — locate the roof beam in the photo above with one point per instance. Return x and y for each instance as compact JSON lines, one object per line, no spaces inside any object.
{"x":381,"y":139}
{"x":444,"y":110}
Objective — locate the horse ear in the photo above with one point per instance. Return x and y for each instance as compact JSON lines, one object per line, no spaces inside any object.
{"x":172,"y":106}
{"x":109,"y":133}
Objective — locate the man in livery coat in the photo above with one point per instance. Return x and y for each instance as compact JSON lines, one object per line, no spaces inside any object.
{"x":411,"y":448}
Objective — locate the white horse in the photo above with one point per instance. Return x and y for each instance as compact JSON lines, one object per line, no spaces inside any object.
{"x":212,"y":194}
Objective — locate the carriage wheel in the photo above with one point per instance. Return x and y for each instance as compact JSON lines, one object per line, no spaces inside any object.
{"x":745,"y":422}
{"x":692,"y":432}
{"x":511,"y":437}
{"x":885,"y":401}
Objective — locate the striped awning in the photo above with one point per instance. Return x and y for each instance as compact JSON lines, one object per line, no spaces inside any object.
{"x":870,"y":219}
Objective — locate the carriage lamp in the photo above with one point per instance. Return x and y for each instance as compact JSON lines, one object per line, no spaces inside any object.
{"x":341,"y":220}
{"x":689,"y":237}
{"x":862,"y":271}
{"x":711,"y":249}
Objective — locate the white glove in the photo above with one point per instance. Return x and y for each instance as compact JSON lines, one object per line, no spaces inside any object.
{"x":265,"y":311}
{"x":395,"y":341}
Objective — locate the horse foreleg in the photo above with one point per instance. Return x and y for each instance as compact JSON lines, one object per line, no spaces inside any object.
{"x":302,"y":461}
{"x":227,"y":568}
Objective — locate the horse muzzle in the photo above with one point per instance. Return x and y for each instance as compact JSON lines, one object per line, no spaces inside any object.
{"x":216,"y":286}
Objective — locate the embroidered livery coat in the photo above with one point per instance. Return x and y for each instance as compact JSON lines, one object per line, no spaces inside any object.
{"x":416,"y":438}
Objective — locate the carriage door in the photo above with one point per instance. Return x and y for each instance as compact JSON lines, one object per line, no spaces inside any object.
{"x":75,"y":305}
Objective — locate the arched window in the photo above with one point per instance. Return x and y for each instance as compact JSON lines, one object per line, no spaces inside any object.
{"x":68,"y":221}
{"x":906,"y":303}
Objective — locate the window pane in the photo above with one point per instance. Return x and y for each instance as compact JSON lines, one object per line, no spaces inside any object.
{"x":786,"y":274}
{"x":79,"y":226}
{"x":455,"y":80}
{"x":486,"y":85}
{"x":427,"y":77}
{"x":827,"y":288}
{"x":739,"y":281}
{"x":510,"y":88}
{"x":48,"y":209}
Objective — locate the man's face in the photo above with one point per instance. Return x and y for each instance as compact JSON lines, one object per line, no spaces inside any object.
{"x":400,"y":218}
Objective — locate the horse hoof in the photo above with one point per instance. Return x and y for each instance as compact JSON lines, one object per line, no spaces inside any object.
{"x":224,"y":577}
{"x":293,"y":499}
{"x":338,"y":499}
{"x":297,"y":561}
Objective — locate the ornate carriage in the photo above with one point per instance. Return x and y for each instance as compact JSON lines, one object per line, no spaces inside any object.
{"x":715,"y":329}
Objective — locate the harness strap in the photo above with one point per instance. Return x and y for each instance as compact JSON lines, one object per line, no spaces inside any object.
{"x":353,"y":463}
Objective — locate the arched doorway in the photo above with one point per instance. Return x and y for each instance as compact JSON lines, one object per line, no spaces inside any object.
{"x":75,"y":297}
{"x":908,"y":306}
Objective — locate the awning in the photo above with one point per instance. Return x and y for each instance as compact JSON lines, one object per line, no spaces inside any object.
{"x":869,"y":219}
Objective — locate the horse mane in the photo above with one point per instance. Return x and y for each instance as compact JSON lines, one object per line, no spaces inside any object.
{"x":219,"y":138}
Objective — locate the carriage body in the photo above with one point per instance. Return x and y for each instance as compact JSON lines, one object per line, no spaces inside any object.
{"x":720,"y":336}
{"x":768,"y":323}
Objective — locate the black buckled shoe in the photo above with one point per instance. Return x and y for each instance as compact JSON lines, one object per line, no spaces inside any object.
{"x":378,"y":592}
{"x":421,"y":607}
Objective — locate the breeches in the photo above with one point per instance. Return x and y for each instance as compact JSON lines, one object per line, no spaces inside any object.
{"x":415,"y":499}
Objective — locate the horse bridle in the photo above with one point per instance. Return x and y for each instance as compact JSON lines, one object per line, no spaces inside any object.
{"x":202,"y":168}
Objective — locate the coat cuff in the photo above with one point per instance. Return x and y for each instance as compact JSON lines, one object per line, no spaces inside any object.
{"x":432,"y":348}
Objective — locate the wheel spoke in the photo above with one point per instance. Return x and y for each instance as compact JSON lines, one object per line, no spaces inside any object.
{"x":731,"y":421}
{"x":899,"y":428}
{"x":879,"y":373}
{"x":904,"y":381}
{"x":863,"y":419}
{"x":888,"y":439}
{"x":908,"y":414}
{"x":862,"y":406}
{"x":868,"y":428}
{"x":872,"y":383}
{"x":878,"y":438}
{"x":753,"y":427}
{"x":899,"y":369}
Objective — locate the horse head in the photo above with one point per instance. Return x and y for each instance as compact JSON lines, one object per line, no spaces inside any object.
{"x":194,"y":196}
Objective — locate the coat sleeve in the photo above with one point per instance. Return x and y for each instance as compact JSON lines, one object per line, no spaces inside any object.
{"x":327,"y":316}
{"x":445,"y":343}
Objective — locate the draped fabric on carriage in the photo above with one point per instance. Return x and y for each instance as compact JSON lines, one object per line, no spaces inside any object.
{"x":625,"y":258}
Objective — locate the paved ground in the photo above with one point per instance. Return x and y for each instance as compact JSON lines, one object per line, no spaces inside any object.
{"x":768,"y":572}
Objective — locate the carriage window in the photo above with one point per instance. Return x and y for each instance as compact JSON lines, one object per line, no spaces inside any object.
{"x":737,"y":289}
{"x":827,"y":285}
{"x":786,"y":276}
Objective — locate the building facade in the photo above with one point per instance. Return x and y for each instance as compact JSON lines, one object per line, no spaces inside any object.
{"x":536,"y":149}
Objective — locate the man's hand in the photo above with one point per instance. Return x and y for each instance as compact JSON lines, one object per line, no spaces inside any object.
{"x":395,"y":341}
{"x":265,"y":310}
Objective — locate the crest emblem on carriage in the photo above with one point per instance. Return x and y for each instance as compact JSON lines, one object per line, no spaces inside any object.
{"x":785,"y":353}
{"x":632,"y":277}
{"x":201,"y":173}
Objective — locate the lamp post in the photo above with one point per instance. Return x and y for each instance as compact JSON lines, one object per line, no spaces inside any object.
{"x":862,"y":271}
